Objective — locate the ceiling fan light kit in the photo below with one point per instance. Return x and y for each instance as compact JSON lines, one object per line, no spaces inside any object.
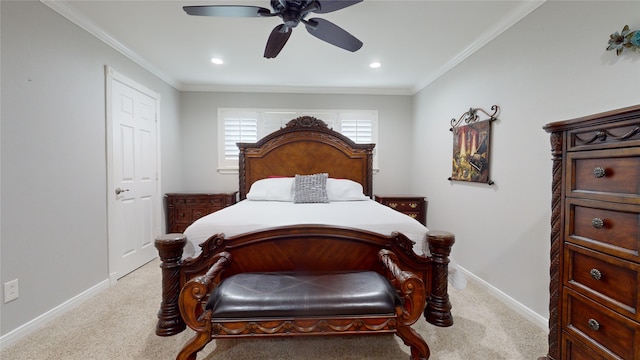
{"x":292,"y":13}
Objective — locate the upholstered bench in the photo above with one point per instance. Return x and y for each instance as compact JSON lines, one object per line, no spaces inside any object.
{"x":290,"y":295}
{"x":303,"y":303}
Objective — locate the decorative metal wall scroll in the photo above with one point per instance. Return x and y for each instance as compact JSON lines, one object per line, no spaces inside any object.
{"x":471,"y":144}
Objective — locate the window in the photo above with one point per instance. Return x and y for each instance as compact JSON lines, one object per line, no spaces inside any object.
{"x":250,"y":125}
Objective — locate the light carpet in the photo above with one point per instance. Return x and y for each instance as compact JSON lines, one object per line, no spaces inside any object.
{"x":119,"y":323}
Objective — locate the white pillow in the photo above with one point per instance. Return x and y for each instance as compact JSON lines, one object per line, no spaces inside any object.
{"x":345,"y":190}
{"x":272,"y":189}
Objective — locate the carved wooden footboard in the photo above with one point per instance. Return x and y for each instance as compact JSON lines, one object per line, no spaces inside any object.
{"x":303,"y":249}
{"x":308,"y":248}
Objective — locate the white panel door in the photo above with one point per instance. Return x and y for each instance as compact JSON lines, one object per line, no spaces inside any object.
{"x":133,"y":187}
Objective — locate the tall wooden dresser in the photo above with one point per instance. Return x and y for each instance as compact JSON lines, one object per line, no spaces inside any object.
{"x":595,"y":237}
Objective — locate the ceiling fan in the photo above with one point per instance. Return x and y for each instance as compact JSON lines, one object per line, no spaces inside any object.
{"x":292,"y":12}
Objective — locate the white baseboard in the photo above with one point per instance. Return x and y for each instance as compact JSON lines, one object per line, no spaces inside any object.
{"x":512,"y":303}
{"x":40,"y":321}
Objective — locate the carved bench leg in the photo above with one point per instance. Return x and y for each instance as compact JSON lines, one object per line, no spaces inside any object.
{"x":170,"y":247}
{"x":194,"y":345}
{"x":419,"y":348}
{"x":438,"y":309}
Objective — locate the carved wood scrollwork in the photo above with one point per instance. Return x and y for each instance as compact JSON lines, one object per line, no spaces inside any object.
{"x":303,"y":326}
{"x":604,"y":135}
{"x":308,"y":122}
{"x":555,"y":248}
{"x":170,"y":249}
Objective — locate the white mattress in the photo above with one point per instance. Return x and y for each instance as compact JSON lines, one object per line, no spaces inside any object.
{"x":247,"y":215}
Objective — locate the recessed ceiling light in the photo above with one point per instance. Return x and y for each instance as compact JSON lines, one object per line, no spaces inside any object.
{"x":375,"y":65}
{"x":217,"y":61}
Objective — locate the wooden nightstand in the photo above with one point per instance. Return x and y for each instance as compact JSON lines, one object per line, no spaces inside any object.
{"x":183,"y":209}
{"x":412,"y":205}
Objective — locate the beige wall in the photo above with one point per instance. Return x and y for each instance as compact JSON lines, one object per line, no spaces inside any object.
{"x":200,"y":133}
{"x":550,"y":66}
{"x":53,"y":179}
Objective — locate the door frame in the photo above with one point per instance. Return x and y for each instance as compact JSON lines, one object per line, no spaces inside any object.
{"x":110,"y":76}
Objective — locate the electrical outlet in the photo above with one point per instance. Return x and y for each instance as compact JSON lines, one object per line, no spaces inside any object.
{"x":10,"y":290}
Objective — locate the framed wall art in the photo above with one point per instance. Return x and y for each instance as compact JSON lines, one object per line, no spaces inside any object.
{"x":471,"y":146}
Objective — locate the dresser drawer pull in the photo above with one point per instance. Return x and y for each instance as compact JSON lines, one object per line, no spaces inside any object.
{"x":596,"y":274}
{"x":413,"y":205}
{"x":599,"y":172}
{"x":597,"y":223}
{"x":393,"y":205}
{"x":593,"y":324}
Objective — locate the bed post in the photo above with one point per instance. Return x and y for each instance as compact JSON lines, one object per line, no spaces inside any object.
{"x":438,"y":309}
{"x":170,"y":247}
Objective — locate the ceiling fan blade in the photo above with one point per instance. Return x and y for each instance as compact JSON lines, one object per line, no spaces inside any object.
{"x":327,"y":6}
{"x":333,"y":34}
{"x":227,"y":10}
{"x":278,"y":38}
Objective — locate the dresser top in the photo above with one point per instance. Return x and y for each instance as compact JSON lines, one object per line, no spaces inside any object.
{"x":631,"y":112}
{"x":399,"y":196}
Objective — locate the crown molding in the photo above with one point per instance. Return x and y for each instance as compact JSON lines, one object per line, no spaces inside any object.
{"x":80,"y":20}
{"x":499,"y":27}
{"x":506,"y":22}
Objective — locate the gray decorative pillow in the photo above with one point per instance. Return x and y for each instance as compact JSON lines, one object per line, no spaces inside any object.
{"x":311,"y":189}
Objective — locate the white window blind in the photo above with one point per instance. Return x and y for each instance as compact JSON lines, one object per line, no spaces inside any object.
{"x":360,"y":131}
{"x":238,"y":130}
{"x":249,"y":125}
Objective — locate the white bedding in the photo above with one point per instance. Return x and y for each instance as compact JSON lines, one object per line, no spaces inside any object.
{"x":247,"y":215}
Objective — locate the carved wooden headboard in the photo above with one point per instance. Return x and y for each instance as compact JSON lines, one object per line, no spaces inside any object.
{"x":305,"y":146}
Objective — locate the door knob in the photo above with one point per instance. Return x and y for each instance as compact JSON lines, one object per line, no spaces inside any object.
{"x":119,"y":191}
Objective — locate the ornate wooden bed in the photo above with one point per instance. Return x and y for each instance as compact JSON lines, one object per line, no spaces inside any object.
{"x":304,"y":146}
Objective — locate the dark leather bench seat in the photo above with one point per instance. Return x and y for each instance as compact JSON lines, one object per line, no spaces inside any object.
{"x":286,"y":294}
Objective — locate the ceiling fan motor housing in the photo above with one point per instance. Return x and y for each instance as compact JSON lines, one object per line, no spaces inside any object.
{"x":293,"y":11}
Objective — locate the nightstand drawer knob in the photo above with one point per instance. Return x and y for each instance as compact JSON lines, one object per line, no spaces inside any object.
{"x":593,"y":324}
{"x":596,"y":274}
{"x":597,"y":223}
{"x":599,"y":172}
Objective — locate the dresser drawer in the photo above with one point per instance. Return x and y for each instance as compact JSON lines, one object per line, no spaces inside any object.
{"x":609,"y":280}
{"x":411,"y":205}
{"x":405,"y":205}
{"x":187,"y":214}
{"x":183,"y":209}
{"x":606,"y":135}
{"x":607,"y":331}
{"x":206,"y":200}
{"x":606,"y":175}
{"x":415,"y":215}
{"x":612,"y":228}
{"x":574,"y":350}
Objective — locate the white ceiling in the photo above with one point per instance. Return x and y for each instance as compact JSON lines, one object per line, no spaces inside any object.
{"x":416,"y":41}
